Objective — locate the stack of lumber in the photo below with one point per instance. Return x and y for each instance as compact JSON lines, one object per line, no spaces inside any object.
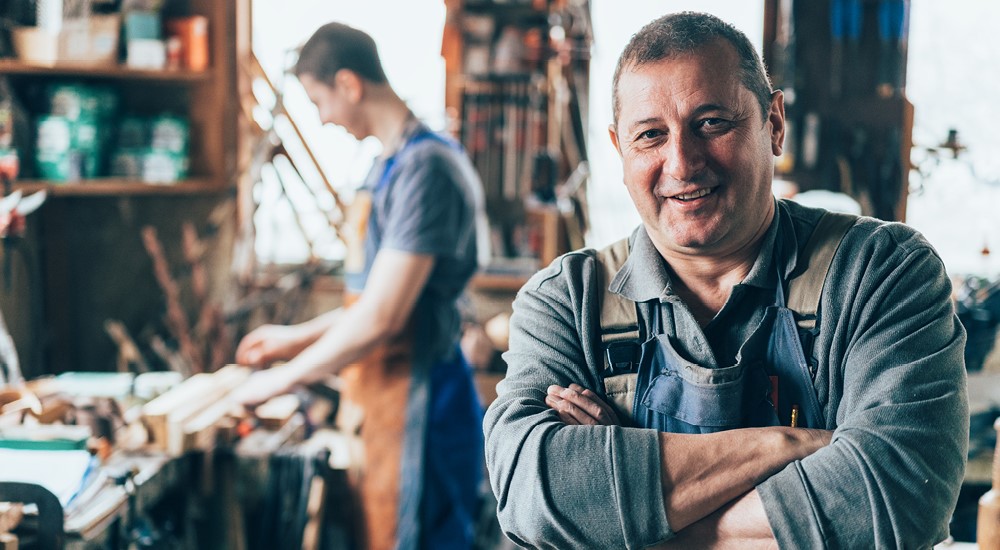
{"x":192,"y":414}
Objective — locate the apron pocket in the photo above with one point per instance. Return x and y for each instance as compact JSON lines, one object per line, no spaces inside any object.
{"x":707,"y":405}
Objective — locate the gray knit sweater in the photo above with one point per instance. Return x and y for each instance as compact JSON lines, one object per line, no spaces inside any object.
{"x":890,"y":379}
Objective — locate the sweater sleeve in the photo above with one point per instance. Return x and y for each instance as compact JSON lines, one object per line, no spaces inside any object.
{"x":890,"y":339}
{"x":560,"y":486}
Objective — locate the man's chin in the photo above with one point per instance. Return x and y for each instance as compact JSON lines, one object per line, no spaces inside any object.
{"x":693,"y":242}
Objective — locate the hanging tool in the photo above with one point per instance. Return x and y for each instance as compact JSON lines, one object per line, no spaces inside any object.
{"x":845,"y":25}
{"x":892,"y":35}
{"x":890,"y":177}
{"x":784,"y":51}
{"x":13,"y":211}
{"x":10,"y":365}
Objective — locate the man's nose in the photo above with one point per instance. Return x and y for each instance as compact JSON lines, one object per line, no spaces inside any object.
{"x":684,"y":156}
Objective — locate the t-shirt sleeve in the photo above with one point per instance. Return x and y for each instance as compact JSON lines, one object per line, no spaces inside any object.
{"x":427,"y":209}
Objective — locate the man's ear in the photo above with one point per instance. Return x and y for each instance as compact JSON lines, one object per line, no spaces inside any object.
{"x":776,"y":116}
{"x":350,"y":84}
{"x":614,"y":138}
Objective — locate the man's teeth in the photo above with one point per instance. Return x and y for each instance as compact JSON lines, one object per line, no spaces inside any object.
{"x":696,"y":195}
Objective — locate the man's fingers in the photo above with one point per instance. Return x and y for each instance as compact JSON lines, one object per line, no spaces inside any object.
{"x":568,"y":412}
{"x":591,"y":403}
{"x":587,"y":406}
{"x":566,"y":418}
{"x":594,"y":398}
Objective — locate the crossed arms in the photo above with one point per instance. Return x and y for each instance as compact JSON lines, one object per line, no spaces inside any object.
{"x":894,"y":390}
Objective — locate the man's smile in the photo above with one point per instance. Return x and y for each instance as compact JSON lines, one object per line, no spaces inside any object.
{"x":694,"y":195}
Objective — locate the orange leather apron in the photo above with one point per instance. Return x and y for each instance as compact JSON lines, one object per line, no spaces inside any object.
{"x":379,"y":386}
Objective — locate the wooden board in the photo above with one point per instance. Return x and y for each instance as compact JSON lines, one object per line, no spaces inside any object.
{"x":167,"y":417}
{"x":275,"y":412}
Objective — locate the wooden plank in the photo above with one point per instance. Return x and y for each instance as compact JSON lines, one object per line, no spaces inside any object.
{"x":498,"y":281}
{"x":155,"y":413}
{"x":165,"y":417}
{"x":315,"y":507}
{"x":180,"y":76}
{"x":112,"y":187}
{"x":200,"y":431}
{"x":276,"y":412}
{"x":220,"y":384}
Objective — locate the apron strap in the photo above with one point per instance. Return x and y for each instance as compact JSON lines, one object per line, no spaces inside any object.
{"x":805,"y":290}
{"x":620,"y":335}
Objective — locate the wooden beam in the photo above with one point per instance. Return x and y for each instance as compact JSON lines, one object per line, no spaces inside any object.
{"x":276,"y":412}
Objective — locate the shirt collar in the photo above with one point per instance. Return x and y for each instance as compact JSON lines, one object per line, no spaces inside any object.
{"x":644,"y":276}
{"x":778,"y":253}
{"x":411,"y":127}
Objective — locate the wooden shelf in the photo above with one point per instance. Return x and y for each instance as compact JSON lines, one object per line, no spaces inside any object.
{"x":104,"y":187}
{"x":509,"y":11}
{"x":15,"y":67}
{"x":500,"y":282}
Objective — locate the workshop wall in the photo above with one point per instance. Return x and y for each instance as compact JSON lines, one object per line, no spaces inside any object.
{"x":100,"y":270}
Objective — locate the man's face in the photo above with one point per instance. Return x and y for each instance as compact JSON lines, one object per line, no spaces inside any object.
{"x":697,"y":154}
{"x":332,"y":103}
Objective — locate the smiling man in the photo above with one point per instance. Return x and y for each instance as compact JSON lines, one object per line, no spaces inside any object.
{"x":740,"y":371}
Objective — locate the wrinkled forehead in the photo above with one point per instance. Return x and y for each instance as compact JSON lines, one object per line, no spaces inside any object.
{"x":717,"y":58}
{"x":682,"y":83}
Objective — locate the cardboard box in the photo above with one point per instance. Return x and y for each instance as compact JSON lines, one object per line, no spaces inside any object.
{"x":90,"y":41}
{"x":35,"y":45}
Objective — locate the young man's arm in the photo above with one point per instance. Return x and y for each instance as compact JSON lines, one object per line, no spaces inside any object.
{"x":383,"y":311}
{"x":269,"y":343}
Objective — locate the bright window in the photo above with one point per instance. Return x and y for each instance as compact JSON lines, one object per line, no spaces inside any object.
{"x":409,"y":43}
{"x":954,"y":82}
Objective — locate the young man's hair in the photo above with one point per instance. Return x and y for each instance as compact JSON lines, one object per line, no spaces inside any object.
{"x":680,"y":33}
{"x":336,"y":46}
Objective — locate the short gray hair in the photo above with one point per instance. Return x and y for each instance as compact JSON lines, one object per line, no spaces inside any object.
{"x":679,"y":33}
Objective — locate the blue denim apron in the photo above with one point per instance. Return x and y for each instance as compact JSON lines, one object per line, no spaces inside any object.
{"x":770,"y":377}
{"x":441,"y":460}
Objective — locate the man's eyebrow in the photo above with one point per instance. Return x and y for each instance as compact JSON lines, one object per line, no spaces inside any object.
{"x":709,"y":107}
{"x":701,"y":109}
{"x":635,"y":125}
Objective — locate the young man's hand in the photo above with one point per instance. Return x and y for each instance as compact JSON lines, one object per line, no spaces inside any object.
{"x":269,"y":343}
{"x":578,"y":406}
{"x":263,"y":385}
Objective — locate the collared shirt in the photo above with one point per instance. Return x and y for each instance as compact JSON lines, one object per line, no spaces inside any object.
{"x":645,"y":277}
{"x":890,"y":380}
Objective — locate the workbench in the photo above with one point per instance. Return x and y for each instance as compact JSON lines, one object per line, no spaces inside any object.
{"x":217,"y":490}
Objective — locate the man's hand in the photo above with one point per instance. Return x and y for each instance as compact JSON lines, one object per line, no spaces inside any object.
{"x":269,"y":343}
{"x":263,"y":385}
{"x":578,"y":406}
{"x":741,"y":524}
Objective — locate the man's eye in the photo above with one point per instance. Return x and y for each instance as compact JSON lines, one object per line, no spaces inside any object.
{"x":650,"y":134}
{"x":713,"y":124}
